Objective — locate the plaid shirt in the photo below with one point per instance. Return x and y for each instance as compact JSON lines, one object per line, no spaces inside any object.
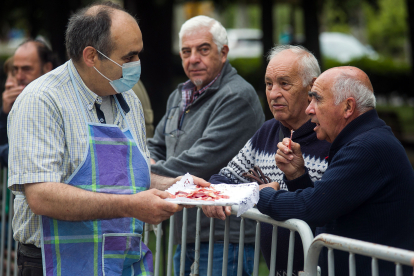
{"x":189,"y":93}
{"x":48,"y":138}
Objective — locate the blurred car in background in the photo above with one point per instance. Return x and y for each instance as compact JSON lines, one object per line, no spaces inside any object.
{"x":344,"y":47}
{"x":247,"y":43}
{"x":244,"y":43}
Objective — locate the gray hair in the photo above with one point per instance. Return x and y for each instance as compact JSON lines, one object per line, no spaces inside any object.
{"x":91,"y":29}
{"x":217,"y":30}
{"x":309,"y":65}
{"x":346,"y":86}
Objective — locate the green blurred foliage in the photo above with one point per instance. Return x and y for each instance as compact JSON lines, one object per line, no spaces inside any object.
{"x":250,"y":69}
{"x":387,"y":27}
{"x":385,"y":74}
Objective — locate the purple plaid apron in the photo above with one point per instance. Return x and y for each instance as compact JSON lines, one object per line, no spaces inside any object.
{"x":113,"y":164}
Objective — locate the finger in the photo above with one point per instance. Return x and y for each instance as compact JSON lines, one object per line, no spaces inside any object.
{"x":161,"y":194}
{"x":281,"y":158}
{"x":200,"y":181}
{"x":206,"y":211}
{"x":152,"y":161}
{"x":227,"y":210}
{"x":219,"y":213}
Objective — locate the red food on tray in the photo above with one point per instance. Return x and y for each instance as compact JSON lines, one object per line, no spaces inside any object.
{"x":201,"y":193}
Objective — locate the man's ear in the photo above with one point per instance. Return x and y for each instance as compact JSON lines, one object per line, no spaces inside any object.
{"x":90,"y":56}
{"x":224,"y":51}
{"x":47,"y":67}
{"x":313,"y":81}
{"x":350,"y":107}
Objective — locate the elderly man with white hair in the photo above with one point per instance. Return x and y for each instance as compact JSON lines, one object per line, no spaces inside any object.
{"x":207,"y":121}
{"x":367,"y":191}
{"x":289,"y":77}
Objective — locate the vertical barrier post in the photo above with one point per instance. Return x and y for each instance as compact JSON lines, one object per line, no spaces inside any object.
{"x":211,"y":248}
{"x":170,"y":246}
{"x":3,"y":218}
{"x":197,"y":242}
{"x":241,"y":249}
{"x":398,"y":270}
{"x":226,"y":246}
{"x":257,"y":250}
{"x":146,"y":235}
{"x":374,"y":267}
{"x":158,"y":251}
{"x":331,"y":262}
{"x":291,"y":252}
{"x":183,"y":242}
{"x":272,"y":269}
{"x":352,"y":268}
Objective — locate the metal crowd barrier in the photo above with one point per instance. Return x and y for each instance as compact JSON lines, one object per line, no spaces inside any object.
{"x":7,"y":267}
{"x":294,"y":225}
{"x":375,"y":251}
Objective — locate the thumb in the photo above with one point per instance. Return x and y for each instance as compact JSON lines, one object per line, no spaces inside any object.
{"x":161,"y":194}
{"x":296,"y":148}
{"x":227,"y":210}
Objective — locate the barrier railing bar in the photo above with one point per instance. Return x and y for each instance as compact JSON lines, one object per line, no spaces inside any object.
{"x":272,"y":270}
{"x":331,"y":262}
{"x":3,"y":218}
{"x":241,"y":249}
{"x":183,"y":242}
{"x":291,"y":252}
{"x":197,"y":242}
{"x":158,"y":250}
{"x":257,"y":250}
{"x":374,"y":266}
{"x":226,"y":246}
{"x":291,"y":224}
{"x":396,"y":255}
{"x":211,"y":248}
{"x":352,"y":267}
{"x":170,"y":246}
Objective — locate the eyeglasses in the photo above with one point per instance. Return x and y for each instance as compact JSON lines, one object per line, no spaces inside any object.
{"x":173,"y":124}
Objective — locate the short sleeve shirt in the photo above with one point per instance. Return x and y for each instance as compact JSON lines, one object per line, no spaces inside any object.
{"x":48,"y":137}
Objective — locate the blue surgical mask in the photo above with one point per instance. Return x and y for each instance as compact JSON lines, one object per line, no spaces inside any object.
{"x":131,"y":72}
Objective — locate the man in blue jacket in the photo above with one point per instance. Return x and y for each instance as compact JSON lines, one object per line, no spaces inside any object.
{"x":367,"y":191}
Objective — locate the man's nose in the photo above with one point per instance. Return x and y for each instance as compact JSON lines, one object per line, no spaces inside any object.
{"x":310,"y":109}
{"x":18,"y":73}
{"x":195,"y":57}
{"x":275,"y":92}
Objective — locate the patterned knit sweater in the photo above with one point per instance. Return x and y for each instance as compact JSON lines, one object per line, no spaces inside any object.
{"x":260,"y":150}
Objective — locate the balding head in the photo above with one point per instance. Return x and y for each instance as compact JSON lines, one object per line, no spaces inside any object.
{"x":349,"y":81}
{"x":92,"y":26}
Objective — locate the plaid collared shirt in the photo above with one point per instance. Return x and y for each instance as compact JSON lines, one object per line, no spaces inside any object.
{"x":48,"y":138}
{"x":189,"y":93}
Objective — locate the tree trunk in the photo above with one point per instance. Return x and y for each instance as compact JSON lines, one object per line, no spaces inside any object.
{"x":267,"y":27}
{"x":310,"y":12}
{"x":155,"y":21}
{"x":410,"y":18}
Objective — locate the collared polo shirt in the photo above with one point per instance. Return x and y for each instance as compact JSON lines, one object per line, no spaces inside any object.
{"x":48,"y":137}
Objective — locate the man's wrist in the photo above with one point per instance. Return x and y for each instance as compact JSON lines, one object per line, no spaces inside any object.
{"x":295,"y":175}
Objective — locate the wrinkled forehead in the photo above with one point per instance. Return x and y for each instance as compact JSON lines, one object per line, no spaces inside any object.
{"x":284,"y":65}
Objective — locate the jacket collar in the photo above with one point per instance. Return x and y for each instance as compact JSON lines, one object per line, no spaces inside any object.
{"x":226,"y":71}
{"x":304,"y":130}
{"x":359,"y":125}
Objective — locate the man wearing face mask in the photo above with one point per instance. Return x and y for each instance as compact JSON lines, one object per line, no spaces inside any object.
{"x":78,"y":160}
